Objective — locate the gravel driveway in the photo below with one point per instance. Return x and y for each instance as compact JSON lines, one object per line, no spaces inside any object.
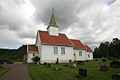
{"x":16,"y":72}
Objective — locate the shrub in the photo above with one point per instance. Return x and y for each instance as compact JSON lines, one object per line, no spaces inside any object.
{"x":36,"y":59}
{"x":10,"y":62}
{"x":1,"y":61}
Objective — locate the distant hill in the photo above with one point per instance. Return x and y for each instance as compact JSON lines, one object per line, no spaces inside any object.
{"x":14,"y":53}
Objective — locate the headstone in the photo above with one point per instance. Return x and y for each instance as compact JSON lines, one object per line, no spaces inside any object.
{"x":70,"y":61}
{"x":86,"y":60}
{"x":49,"y":65}
{"x":83,"y":72}
{"x":96,"y":59}
{"x":103,"y":67}
{"x":80,"y":62}
{"x":116,"y":77}
{"x":74,"y":66}
{"x":104,"y":60}
{"x":57,"y":68}
{"x":45,"y":63}
{"x":115,"y":64}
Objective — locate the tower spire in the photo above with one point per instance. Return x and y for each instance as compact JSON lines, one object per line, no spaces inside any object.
{"x":52,"y":22}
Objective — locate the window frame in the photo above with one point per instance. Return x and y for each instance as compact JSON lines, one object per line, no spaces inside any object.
{"x":55,"y":50}
{"x":88,"y":55}
{"x":63,"y":50}
{"x":80,"y":53}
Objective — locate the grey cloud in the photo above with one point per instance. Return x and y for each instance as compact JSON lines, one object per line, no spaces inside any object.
{"x":91,"y":21}
{"x":65,"y":11}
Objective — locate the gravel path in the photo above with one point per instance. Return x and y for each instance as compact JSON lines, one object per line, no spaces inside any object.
{"x":16,"y":72}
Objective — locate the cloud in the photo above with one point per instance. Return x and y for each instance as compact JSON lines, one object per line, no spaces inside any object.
{"x":91,"y":21}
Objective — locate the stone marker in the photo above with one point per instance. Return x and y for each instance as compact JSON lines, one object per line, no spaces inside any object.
{"x":45,"y":63}
{"x":104,"y":60}
{"x":49,"y":65}
{"x":83,"y":72}
{"x":80,"y":62}
{"x":96,"y":59}
{"x":74,"y":65}
{"x":103,"y":67}
{"x":57,"y":68}
{"x":115,"y":64}
{"x":115,"y":76}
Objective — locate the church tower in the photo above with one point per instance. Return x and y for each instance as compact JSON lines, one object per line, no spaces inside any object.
{"x":53,"y":28}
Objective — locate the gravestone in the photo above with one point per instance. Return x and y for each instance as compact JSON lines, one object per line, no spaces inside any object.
{"x":80,"y":62}
{"x":74,"y":65}
{"x":115,"y":64}
{"x":45,"y":63}
{"x":83,"y":72}
{"x":103,"y":67}
{"x":96,"y":59}
{"x":104,"y":60}
{"x":49,"y":65}
{"x":115,"y":76}
{"x":57,"y":68}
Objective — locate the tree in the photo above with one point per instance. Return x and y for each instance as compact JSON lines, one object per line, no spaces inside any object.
{"x":108,"y":50}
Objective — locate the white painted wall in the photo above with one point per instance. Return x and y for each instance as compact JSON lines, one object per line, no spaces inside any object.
{"x":49,"y":56}
{"x":77,"y":57}
{"x":38,"y":44}
{"x":30,"y":56}
{"x":53,"y":31}
{"x":90,"y":55}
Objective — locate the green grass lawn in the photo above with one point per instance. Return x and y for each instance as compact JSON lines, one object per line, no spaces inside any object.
{"x":2,"y":71}
{"x":41,"y":72}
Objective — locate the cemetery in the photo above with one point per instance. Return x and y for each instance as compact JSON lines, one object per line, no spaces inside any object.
{"x":89,"y":70}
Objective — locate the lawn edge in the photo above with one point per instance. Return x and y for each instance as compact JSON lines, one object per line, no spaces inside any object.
{"x":30,"y":72}
{"x":4,"y":72}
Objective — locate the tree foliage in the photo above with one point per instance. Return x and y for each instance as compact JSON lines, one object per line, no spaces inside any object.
{"x":14,"y":53}
{"x":108,"y":49}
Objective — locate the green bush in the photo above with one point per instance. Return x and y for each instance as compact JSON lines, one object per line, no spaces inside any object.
{"x":10,"y":62}
{"x":1,"y":61}
{"x":36,"y":59}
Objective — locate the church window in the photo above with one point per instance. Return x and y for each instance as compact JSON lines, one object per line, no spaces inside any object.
{"x":80,"y":53}
{"x":62,"y":50}
{"x":88,"y":55}
{"x":55,"y":50}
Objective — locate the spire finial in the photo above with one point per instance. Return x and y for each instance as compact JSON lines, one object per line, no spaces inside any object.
{"x":52,"y":21}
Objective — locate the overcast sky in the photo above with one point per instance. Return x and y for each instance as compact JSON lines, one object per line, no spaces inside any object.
{"x":91,"y":21}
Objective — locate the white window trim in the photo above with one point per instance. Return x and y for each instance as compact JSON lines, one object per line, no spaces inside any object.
{"x":80,"y":53}
{"x":55,"y":51}
{"x":63,"y":48}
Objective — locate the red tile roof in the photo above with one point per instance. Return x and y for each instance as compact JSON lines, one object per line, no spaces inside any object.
{"x":88,"y":48}
{"x":77,"y":44}
{"x":62,"y":39}
{"x":32,"y":48}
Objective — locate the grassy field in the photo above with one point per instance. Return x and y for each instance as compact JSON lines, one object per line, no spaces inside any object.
{"x":41,"y":72}
{"x":2,"y":71}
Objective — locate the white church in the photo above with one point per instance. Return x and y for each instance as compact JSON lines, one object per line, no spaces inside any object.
{"x":52,"y":45}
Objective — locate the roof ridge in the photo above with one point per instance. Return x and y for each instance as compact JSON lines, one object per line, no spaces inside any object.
{"x":75,"y":39}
